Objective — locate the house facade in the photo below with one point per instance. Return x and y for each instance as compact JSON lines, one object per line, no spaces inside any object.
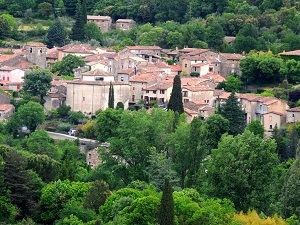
{"x":90,"y":96}
{"x":125,"y":24}
{"x":104,"y":23}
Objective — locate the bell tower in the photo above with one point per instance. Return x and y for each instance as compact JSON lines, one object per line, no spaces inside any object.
{"x":36,"y":54}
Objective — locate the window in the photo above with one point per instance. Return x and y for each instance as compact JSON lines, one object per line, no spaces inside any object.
{"x":41,"y":51}
{"x":185,"y":65}
{"x":195,"y":69}
{"x":154,"y":92}
{"x":185,"y":100}
{"x":185,"y":94}
{"x":293,"y":115}
{"x":271,"y":127}
{"x":133,"y":98}
{"x":30,"y":50}
{"x":162,"y":91}
{"x":147,"y":91}
{"x":83,"y":98}
{"x":122,"y":79}
{"x":99,"y":78}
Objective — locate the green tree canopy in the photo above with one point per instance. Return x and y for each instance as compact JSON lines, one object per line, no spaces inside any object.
{"x":38,"y":83}
{"x":241,"y":167}
{"x":66,"y":66}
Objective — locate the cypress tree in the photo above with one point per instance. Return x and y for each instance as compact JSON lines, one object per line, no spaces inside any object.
{"x":84,"y":12}
{"x":56,"y":36}
{"x":78,"y":28}
{"x":166,"y":210}
{"x":111,"y":96}
{"x":175,"y":102}
{"x":232,"y":111}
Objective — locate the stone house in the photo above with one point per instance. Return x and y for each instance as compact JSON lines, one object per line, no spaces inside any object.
{"x":293,"y":115}
{"x":201,"y":68}
{"x":197,"y":108}
{"x":124,"y":75}
{"x":56,"y":95}
{"x":6,"y":110}
{"x":198,"y":92}
{"x":98,"y":65}
{"x":104,"y":23}
{"x":51,"y":57}
{"x":159,"y":92}
{"x":90,"y":96}
{"x":149,"y":53}
{"x":270,"y":120}
{"x":92,"y":158}
{"x":230,"y":63}
{"x":141,"y":81}
{"x":215,"y":78}
{"x":125,"y":24}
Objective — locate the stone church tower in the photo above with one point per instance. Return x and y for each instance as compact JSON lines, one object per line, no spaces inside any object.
{"x":36,"y":54}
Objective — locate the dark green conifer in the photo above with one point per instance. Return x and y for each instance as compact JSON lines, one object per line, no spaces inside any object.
{"x":78,"y":28}
{"x":166,"y":210}
{"x":84,"y":12}
{"x":175,"y":102}
{"x":111,"y":96}
{"x":233,"y":111}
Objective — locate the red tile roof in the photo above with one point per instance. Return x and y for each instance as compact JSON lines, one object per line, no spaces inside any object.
{"x":296,"y":109}
{"x":295,"y":52}
{"x":5,"y":107}
{"x":143,"y":47}
{"x":35,"y":44}
{"x":90,"y":17}
{"x":125,"y":21}
{"x":214,"y":77}
{"x":143,"y":77}
{"x":97,"y":72}
{"x":232,"y":56}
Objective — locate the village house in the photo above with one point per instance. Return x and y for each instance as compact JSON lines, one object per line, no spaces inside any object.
{"x":51,"y":57}
{"x":90,"y":96}
{"x":149,"y":53}
{"x":215,"y":78}
{"x":125,"y":24}
{"x":141,"y":81}
{"x":11,"y":77}
{"x":293,"y":115}
{"x":80,"y":50}
{"x":6,"y":110}
{"x":104,"y":23}
{"x":197,"y":108}
{"x":230,"y":63}
{"x":56,"y":96}
{"x":197,"y":92}
{"x":124,"y":75}
{"x":159,"y":92}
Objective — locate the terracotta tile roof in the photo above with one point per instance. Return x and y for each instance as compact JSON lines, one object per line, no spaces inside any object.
{"x":5,"y":107}
{"x":218,"y":92}
{"x":175,"y":67}
{"x":196,"y":88}
{"x":191,"y":80}
{"x":174,"y":52}
{"x":162,"y":65}
{"x":224,"y":95}
{"x":6,"y":57}
{"x":52,"y":53}
{"x":197,"y":52}
{"x":143,"y":47}
{"x":296,"y":109}
{"x":229,"y":39}
{"x":194,"y":58}
{"x":59,"y":82}
{"x":97,"y":72}
{"x":190,"y":112}
{"x":159,"y":86}
{"x":232,"y":56}
{"x":98,"y":57}
{"x":194,"y":105}
{"x":126,"y":71}
{"x":125,"y":21}
{"x":7,"y":68}
{"x":273,"y":112}
{"x":199,"y":64}
{"x":17,"y":62}
{"x":214,"y":77}
{"x":35,"y":44}
{"x":91,"y":17}
{"x":187,"y":50}
{"x":143,"y":77}
{"x":207,"y":108}
{"x":152,"y":69}
{"x":295,"y":52}
{"x":80,"y":48}
{"x":14,"y":50}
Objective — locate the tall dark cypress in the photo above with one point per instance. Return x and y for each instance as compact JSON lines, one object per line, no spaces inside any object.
{"x":166,"y":210}
{"x":111,"y":96}
{"x":175,"y":102}
{"x":78,"y":28}
{"x":84,"y":12}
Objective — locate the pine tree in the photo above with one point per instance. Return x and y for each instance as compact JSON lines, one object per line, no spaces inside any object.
{"x":78,"y":28}
{"x":175,"y":102}
{"x":111,"y":96}
{"x":56,"y":36}
{"x":166,"y":210}
{"x":232,"y":111}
